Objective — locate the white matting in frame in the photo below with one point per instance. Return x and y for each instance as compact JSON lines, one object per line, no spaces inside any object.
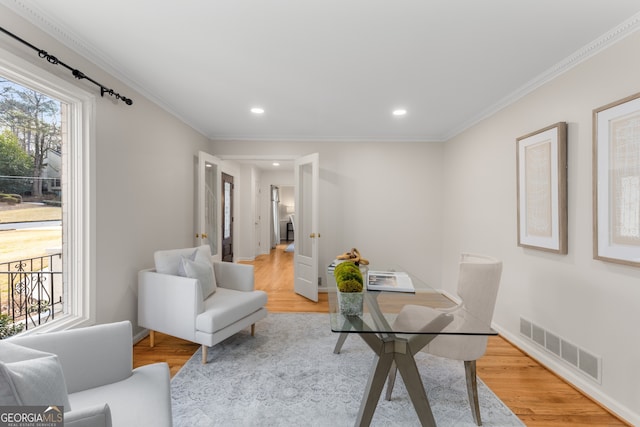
{"x":616,"y":181}
{"x":542,"y":189}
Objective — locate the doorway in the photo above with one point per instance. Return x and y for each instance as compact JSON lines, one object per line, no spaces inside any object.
{"x":227,"y":217}
{"x":302,"y":227}
{"x":283,"y":216}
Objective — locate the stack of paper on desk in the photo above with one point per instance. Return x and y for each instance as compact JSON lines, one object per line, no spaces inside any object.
{"x":389,"y":281}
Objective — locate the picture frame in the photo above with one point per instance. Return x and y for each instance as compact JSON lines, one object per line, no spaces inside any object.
{"x":541,"y":168}
{"x":616,"y":181}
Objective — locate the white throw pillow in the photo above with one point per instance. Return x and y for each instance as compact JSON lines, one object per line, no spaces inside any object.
{"x":31,"y":377}
{"x":181,"y":266}
{"x":203,"y":271}
{"x":168,"y":262}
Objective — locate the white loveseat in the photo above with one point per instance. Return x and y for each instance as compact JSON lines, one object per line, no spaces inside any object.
{"x":190,"y":296}
{"x":89,"y":371}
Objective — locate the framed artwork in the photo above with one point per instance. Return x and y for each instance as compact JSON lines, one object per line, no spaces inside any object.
{"x":542,"y":189}
{"x":616,"y":181}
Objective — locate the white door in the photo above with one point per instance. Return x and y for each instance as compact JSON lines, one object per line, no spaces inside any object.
{"x":306,"y":234}
{"x":257,"y":206}
{"x":209,"y":207}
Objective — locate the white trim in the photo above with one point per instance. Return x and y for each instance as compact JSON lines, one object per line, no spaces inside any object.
{"x":32,"y":13}
{"x":337,"y":138}
{"x":58,"y":31}
{"x":140,"y":336}
{"x":570,"y":376}
{"x":282,"y":157}
{"x":601,"y":43}
{"x":78,"y":187}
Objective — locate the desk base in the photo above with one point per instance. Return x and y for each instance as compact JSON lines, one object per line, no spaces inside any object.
{"x":393,"y":350}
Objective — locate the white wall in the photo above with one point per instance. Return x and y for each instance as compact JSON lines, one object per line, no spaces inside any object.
{"x":144,"y":174}
{"x":592,"y":304}
{"x":244,"y":195}
{"x":384,"y":199}
{"x":413,"y":204}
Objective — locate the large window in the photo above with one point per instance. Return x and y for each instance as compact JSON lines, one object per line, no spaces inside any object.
{"x":45,"y":196}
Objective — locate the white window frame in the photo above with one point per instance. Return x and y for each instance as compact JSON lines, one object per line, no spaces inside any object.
{"x":78,"y":189}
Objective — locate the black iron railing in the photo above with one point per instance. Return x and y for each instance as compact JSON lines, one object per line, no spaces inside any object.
{"x":31,"y":290}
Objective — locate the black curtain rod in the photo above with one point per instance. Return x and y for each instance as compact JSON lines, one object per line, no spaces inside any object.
{"x":76,"y":73}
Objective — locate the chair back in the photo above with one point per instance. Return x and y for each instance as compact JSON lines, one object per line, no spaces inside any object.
{"x":478,"y":283}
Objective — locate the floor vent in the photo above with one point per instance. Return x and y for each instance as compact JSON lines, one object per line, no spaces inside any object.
{"x":525,"y":327}
{"x":577,"y":357}
{"x":552,"y":343}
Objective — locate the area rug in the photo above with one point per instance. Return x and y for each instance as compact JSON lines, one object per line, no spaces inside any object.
{"x":287,"y":375}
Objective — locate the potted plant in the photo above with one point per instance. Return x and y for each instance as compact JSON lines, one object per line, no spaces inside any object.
{"x":350,"y":288}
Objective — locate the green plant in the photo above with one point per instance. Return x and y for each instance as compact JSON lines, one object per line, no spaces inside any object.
{"x":346,"y":269}
{"x":350,"y":286}
{"x":348,"y":277}
{"x":7,"y":328}
{"x":10,"y":199}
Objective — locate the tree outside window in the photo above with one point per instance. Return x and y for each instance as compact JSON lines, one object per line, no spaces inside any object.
{"x":31,"y":289}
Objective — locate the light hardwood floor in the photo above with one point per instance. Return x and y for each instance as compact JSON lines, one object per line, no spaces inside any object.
{"x":537,"y":396}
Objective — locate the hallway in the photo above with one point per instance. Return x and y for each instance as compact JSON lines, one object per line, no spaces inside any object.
{"x":274,"y":275}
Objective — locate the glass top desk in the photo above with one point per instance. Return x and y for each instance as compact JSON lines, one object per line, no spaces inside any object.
{"x":396,"y":339}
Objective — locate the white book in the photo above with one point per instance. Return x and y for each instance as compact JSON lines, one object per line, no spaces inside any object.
{"x":396,"y":281}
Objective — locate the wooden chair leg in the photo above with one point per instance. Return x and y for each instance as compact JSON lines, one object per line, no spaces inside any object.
{"x":204,"y":354}
{"x":253,"y":329}
{"x":472,"y":390}
{"x":152,"y":338}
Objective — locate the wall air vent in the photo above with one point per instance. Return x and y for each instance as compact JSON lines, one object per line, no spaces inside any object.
{"x":578,"y":358}
{"x":552,"y":343}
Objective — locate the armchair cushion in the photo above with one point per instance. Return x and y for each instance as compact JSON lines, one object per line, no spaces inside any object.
{"x":31,"y":377}
{"x":203,"y":271}
{"x":228,"y":306}
{"x":168,"y":262}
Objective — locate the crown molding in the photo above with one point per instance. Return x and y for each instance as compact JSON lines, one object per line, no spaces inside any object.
{"x":64,"y":35}
{"x":33,"y":14}
{"x":302,"y":138}
{"x":601,"y":43}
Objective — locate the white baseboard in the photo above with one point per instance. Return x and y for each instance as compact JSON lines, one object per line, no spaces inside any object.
{"x":577,"y":380}
{"x":140,"y":336}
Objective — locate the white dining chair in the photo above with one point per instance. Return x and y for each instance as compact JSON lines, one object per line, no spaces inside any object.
{"x":478,"y":282}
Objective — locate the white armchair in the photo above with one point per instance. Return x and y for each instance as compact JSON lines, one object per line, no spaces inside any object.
{"x":89,"y":371}
{"x":478,"y":283}
{"x":189,"y":296}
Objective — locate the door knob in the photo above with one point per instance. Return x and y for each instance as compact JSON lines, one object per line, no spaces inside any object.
{"x":312,"y":235}
{"x":205,"y":236}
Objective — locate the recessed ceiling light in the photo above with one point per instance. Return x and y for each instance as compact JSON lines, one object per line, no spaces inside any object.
{"x":257,"y":110}
{"x":275,"y":164}
{"x":399,"y":112}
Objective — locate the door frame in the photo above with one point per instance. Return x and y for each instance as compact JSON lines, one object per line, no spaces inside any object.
{"x":305,"y":268}
{"x":281,"y":157}
{"x":205,"y":158}
{"x":227,"y":178}
{"x":264,"y":207}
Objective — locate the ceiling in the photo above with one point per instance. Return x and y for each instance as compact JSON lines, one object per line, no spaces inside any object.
{"x":332,"y":69}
